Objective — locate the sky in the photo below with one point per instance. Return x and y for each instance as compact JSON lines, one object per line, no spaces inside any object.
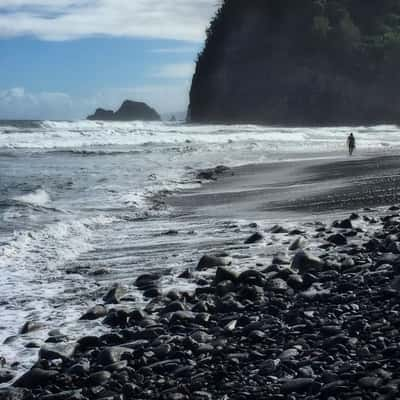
{"x":61,"y":59}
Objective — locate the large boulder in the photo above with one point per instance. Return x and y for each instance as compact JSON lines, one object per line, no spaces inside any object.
{"x":34,"y":378}
{"x":57,"y":351}
{"x":305,"y":262}
{"x":30,"y":326}
{"x":114,"y":295}
{"x":224,"y":274}
{"x":95,"y":312}
{"x":207,"y":262}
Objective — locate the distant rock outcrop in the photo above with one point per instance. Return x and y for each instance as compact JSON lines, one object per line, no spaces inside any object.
{"x":129,"y":111}
{"x":102,"y":115}
{"x":309,"y":62}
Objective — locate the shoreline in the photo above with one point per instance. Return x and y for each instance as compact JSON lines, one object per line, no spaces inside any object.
{"x":243,"y":188}
{"x":296,"y":188}
{"x":319,"y":320}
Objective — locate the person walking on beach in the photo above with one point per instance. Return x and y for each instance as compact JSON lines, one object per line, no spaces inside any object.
{"x":351,"y":143}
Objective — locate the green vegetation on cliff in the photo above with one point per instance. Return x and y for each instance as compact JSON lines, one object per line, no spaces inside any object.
{"x":300,"y":62}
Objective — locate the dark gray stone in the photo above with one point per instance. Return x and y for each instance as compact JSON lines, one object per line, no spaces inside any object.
{"x":57,"y":351}
{"x":337,"y":239}
{"x":254,"y":238}
{"x":13,"y":394}
{"x":6,"y":375}
{"x":305,"y":262}
{"x":30,"y":326}
{"x":114,"y":295}
{"x":34,"y":378}
{"x":95,"y":312}
{"x":299,"y":385}
{"x":111,"y":355}
{"x":210,"y":262}
{"x":99,"y":378}
{"x":223,"y":274}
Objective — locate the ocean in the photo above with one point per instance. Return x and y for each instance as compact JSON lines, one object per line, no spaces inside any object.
{"x":82,"y":206}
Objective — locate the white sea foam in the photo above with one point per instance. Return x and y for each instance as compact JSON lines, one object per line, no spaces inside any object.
{"x":38,"y":197}
{"x":32,"y":265}
{"x":89,"y":134}
{"x":58,"y":242}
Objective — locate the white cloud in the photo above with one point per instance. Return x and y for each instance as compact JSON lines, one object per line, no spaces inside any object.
{"x":175,"y":71}
{"x":16,"y":103}
{"x":73,"y":19}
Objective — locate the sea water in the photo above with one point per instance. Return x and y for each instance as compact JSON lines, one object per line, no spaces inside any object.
{"x":81,"y":207}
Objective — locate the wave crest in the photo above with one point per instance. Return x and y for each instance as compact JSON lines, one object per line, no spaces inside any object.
{"x":38,"y":197}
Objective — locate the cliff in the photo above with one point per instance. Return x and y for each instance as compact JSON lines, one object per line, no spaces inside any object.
{"x":129,"y":111}
{"x":309,"y":62}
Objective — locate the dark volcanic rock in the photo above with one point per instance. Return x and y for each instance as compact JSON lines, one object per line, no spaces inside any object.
{"x":305,"y":262}
{"x":252,"y":277}
{"x":337,"y":239}
{"x":133,"y":110}
{"x":129,"y":111}
{"x":254,"y":238}
{"x":95,"y":312}
{"x":297,"y":244}
{"x":99,"y":378}
{"x":299,"y":385}
{"x":313,"y":63}
{"x":30,"y":326}
{"x":146,"y":280}
{"x":210,"y":262}
{"x":65,"y":395}
{"x":58,"y":351}
{"x":114,"y":295}
{"x":112,"y":355}
{"x":34,"y":378}
{"x":224,"y":274}
{"x":13,"y":394}
{"x":6,"y":375}
{"x":102,"y":115}
{"x":212,"y":174}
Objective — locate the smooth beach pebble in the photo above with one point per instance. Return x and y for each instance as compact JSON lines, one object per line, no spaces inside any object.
{"x":114,"y":295}
{"x":95,"y":312}
{"x":210,"y":262}
{"x":254,"y":238}
{"x":30,"y":326}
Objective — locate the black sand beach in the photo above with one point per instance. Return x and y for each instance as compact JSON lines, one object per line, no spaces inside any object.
{"x":298,"y":188}
{"x":320,"y":320}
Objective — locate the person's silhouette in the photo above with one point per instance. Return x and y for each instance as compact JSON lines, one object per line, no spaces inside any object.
{"x":351,"y":143}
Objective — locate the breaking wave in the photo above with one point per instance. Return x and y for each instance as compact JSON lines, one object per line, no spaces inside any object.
{"x":38,"y":197}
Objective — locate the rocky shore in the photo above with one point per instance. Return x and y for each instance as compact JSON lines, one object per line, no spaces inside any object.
{"x":321,"y":321}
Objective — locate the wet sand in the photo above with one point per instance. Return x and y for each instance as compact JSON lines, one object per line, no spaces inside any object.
{"x":297,"y":188}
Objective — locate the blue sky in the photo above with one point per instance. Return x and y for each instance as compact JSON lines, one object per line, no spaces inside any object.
{"x":60,"y":59}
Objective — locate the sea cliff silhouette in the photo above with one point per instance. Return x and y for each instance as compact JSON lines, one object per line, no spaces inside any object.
{"x":310,"y":62}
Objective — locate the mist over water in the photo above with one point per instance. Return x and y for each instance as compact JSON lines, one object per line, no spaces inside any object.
{"x":78,"y":197}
